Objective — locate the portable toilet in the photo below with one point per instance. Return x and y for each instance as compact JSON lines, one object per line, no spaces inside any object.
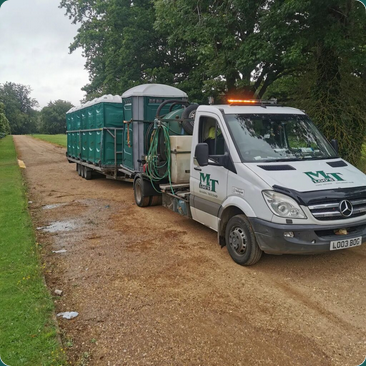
{"x":140,"y":104}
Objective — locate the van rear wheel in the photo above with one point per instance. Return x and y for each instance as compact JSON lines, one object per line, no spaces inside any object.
{"x":155,"y":200}
{"x":241,"y":242}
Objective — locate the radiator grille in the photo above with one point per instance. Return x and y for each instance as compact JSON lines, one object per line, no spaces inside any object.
{"x":331,"y":210}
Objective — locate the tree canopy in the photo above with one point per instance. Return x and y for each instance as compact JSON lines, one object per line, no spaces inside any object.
{"x":4,"y":123}
{"x":53,"y":117}
{"x":120,"y":45}
{"x":309,"y":53}
{"x":328,"y":80}
{"x":18,"y":107}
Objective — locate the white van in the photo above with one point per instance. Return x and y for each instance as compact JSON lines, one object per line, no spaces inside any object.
{"x":266,"y":180}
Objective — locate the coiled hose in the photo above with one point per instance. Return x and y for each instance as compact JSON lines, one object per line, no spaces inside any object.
{"x":155,"y":163}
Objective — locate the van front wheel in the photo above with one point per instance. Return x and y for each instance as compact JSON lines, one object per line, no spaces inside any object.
{"x":240,"y":241}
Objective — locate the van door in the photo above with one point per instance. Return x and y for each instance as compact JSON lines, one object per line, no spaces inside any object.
{"x":208,"y":184}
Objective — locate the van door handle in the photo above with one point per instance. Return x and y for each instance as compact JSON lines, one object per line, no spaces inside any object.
{"x":197,"y":168}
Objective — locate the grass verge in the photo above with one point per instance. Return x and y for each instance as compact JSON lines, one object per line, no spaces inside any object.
{"x":54,"y":139}
{"x":28,"y":334}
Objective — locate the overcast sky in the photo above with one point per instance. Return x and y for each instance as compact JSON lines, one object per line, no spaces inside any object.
{"x":34,"y":40}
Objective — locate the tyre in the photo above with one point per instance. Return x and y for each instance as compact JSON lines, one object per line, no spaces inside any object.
{"x":138,"y":191}
{"x":241,"y":242}
{"x":155,"y":200}
{"x":77,"y":167}
{"x":80,"y":170}
{"x":88,"y":173}
{"x":188,"y":118}
{"x":83,"y":171}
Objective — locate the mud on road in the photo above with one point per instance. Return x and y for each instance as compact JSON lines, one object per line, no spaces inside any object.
{"x":153,"y":288}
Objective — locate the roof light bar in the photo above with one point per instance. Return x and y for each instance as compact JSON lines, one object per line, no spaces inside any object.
{"x":252,"y":102}
{"x":243,"y":101}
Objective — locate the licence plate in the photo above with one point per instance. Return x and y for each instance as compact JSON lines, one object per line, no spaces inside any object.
{"x":345,"y":243}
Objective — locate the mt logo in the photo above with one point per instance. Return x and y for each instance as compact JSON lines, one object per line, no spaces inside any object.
{"x":322,"y":177}
{"x":207,"y":183}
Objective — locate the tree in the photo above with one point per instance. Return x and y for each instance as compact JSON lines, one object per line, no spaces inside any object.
{"x":204,"y":48}
{"x":18,"y":107}
{"x":312,"y":51}
{"x":53,"y":117}
{"x":121,"y":47}
{"x":4,"y":123}
{"x":336,"y":98}
{"x":230,"y":41}
{"x":328,"y":79}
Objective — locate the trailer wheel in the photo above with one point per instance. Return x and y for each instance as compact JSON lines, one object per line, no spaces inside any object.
{"x":241,"y":242}
{"x":138,"y":190}
{"x":80,"y":170}
{"x":77,"y":167}
{"x":88,"y":173}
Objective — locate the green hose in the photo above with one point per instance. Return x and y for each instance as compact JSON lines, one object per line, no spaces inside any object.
{"x":152,"y":159}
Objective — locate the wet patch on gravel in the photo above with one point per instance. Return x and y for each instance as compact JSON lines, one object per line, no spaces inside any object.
{"x":59,"y":226}
{"x":55,"y":205}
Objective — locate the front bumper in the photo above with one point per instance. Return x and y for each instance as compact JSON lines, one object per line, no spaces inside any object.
{"x":308,"y":239}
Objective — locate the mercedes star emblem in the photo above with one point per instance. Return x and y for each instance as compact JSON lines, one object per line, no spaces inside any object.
{"x":346,"y":208}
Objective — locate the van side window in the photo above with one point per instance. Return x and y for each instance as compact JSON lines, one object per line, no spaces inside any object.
{"x":211,"y":134}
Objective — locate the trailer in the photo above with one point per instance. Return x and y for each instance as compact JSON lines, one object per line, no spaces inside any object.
{"x":259,"y":174}
{"x":109,"y":135}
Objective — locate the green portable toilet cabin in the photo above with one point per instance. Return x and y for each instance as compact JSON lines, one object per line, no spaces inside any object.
{"x":140,"y":105}
{"x":70,"y":126}
{"x":90,"y":128}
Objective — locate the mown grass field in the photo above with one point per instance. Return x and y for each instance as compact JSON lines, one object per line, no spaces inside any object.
{"x":28,"y":334}
{"x":55,"y":139}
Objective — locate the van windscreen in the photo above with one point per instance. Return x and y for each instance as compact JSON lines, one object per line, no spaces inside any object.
{"x":277,"y":137}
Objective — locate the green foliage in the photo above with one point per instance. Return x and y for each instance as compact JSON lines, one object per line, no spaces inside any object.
{"x":218,"y":36}
{"x":330,"y":85}
{"x":28,"y":331}
{"x":53,"y":117}
{"x":121,"y":47}
{"x":362,"y":163}
{"x":4,"y":123}
{"x":310,"y":53}
{"x":18,"y":107}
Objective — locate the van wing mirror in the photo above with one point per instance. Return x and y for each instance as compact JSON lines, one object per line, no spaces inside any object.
{"x":201,"y":154}
{"x":334,"y":144}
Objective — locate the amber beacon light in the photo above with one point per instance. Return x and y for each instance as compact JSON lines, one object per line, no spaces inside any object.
{"x":243,"y":101}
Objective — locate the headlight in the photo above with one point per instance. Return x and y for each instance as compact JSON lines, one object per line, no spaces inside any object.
{"x":283,"y":206}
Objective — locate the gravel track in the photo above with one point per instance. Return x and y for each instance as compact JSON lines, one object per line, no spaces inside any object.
{"x":153,"y":288}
